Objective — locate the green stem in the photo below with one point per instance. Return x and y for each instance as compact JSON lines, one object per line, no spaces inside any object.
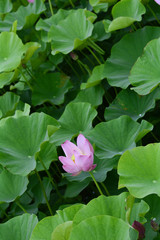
{"x":134,"y":26}
{"x":44,"y":192}
{"x":94,"y":55}
{"x":68,"y":62}
{"x":29,"y":85}
{"x":72,"y":4}
{"x":105,"y":188}
{"x":154,"y":136}
{"x":84,"y":66}
{"x":153,"y":13}
{"x":57,"y":169}
{"x":50,"y":6}
{"x":95,"y":46}
{"x":100,"y":191}
{"x":4,"y":212}
{"x":87,"y":57}
{"x":50,"y":178}
{"x":21,"y":207}
{"x":129,"y":205}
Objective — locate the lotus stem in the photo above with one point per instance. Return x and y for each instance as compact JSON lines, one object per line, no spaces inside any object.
{"x":100,"y":191}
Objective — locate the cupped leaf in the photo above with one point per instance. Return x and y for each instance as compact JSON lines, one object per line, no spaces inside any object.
{"x":21,"y":139}
{"x":11,"y":186}
{"x":116,"y":136}
{"x":114,"y":206}
{"x":70,"y":33}
{"x":124,"y":13}
{"x":139,"y":170}
{"x":6,"y":78}
{"x":130,"y":103}
{"x":97,"y":76}
{"x":76,"y":118}
{"x":8,"y":103}
{"x":125,"y":53}
{"x":62,"y":231}
{"x":102,"y":227}
{"x":25,"y":16}
{"x":145,"y":72}
{"x":5,"y":6}
{"x":19,"y":227}
{"x":91,"y":95}
{"x":50,"y":87}
{"x":44,"y":229}
{"x":12,"y":49}
{"x":45,"y":24}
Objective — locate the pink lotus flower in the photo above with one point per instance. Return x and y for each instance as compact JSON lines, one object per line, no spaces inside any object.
{"x":31,"y":1}
{"x":157,"y":1}
{"x":78,"y":158}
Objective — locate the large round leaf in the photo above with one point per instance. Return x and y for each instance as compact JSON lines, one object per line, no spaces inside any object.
{"x":12,"y":49}
{"x":70,"y":33}
{"x":91,"y":95}
{"x":44,"y":229}
{"x":102,"y":227}
{"x":5,"y":6}
{"x":129,"y":103}
{"x":124,"y":13}
{"x":50,"y":87}
{"x":114,"y":206}
{"x":125,"y":53}
{"x":25,"y":16}
{"x":141,"y":75}
{"x":18,"y":228}
{"x":62,"y":231}
{"x":11,"y":186}
{"x":139,"y":170}
{"x":20,"y":139}
{"x":76,"y":118}
{"x":116,"y":136}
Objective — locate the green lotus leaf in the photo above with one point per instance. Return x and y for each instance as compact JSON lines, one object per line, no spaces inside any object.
{"x":62,"y":231}
{"x":46,"y":155}
{"x":8,"y":103}
{"x":11,"y":186}
{"x":45,"y":24}
{"x":98,"y":74}
{"x":50,"y":87}
{"x":130,"y":103}
{"x":114,"y":206}
{"x":124,"y":13}
{"x":70,"y":33}
{"x":12,"y":50}
{"x":76,"y":118}
{"x":102,"y":227}
{"x":116,"y":136}
{"x":19,"y":227}
{"x":74,"y":188}
{"x":46,"y":226}
{"x":99,"y":33}
{"x":25,"y":16}
{"x":141,"y":75}
{"x":125,"y":53}
{"x":139,"y":170}
{"x":30,"y":48}
{"x":5,"y":6}
{"x":91,"y":95}
{"x":21,"y":139}
{"x":6,"y":78}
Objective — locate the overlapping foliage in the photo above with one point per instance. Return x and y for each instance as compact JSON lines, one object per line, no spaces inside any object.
{"x":69,"y":67}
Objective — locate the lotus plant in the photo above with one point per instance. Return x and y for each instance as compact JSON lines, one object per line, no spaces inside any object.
{"x":31,"y":1}
{"x":78,"y":158}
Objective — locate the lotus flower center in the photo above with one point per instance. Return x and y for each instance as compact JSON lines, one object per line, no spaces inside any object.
{"x":73,"y":158}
